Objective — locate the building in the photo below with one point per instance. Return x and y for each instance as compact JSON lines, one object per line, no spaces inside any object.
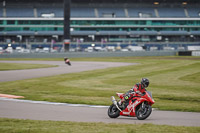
{"x":140,"y":22}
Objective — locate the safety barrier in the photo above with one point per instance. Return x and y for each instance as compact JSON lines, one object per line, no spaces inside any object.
{"x":89,"y":54}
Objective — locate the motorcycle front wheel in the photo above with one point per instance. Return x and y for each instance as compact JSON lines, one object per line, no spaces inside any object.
{"x":143,"y":113}
{"x":113,"y":112}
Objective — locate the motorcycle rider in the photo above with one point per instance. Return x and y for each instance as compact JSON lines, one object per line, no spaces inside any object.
{"x":140,"y":87}
{"x":67,"y":61}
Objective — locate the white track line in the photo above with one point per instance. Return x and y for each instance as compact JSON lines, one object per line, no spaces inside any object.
{"x":53,"y":103}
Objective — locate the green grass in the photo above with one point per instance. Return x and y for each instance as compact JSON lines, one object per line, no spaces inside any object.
{"x":18,"y":66}
{"x":34,"y":126}
{"x":174,"y":82}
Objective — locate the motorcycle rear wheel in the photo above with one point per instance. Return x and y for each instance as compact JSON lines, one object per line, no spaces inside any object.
{"x":142,"y":114}
{"x":113,"y":112}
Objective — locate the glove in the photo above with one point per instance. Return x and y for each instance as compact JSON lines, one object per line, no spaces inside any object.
{"x":127,"y":96}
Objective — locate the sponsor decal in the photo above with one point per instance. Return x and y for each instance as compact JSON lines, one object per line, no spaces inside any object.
{"x":126,"y":113}
{"x":135,"y":104}
{"x":131,"y":107}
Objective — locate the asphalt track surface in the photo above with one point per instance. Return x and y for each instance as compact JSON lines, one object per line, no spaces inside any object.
{"x":61,"y":69}
{"x":25,"y":109}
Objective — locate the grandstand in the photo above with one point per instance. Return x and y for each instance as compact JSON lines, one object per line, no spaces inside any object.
{"x":147,"y":23}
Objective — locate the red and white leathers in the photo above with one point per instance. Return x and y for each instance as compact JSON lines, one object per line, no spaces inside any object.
{"x":137,"y":89}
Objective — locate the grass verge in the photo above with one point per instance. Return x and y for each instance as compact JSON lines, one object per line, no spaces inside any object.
{"x":35,"y":126}
{"x":174,"y":82}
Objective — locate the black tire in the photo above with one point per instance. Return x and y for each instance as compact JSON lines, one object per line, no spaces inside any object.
{"x":113,"y":112}
{"x":142,"y":114}
{"x":69,"y":63}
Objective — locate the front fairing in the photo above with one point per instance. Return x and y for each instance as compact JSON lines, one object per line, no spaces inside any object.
{"x":148,"y":97}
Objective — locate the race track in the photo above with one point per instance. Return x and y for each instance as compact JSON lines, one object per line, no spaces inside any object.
{"x":24,"y":109}
{"x":62,"y":68}
{"x":78,"y":113}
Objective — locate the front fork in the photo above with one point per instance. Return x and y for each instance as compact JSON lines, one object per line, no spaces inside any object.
{"x":143,"y":107}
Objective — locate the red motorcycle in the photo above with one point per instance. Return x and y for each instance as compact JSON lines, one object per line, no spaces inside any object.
{"x":138,"y":105}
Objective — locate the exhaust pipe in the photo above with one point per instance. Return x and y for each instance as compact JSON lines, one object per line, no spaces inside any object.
{"x":115,"y":103}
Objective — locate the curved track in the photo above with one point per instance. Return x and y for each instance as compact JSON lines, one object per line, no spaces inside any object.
{"x":24,"y":109}
{"x":62,"y":68}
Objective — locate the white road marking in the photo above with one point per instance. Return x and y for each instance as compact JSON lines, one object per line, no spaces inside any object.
{"x":53,"y":103}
